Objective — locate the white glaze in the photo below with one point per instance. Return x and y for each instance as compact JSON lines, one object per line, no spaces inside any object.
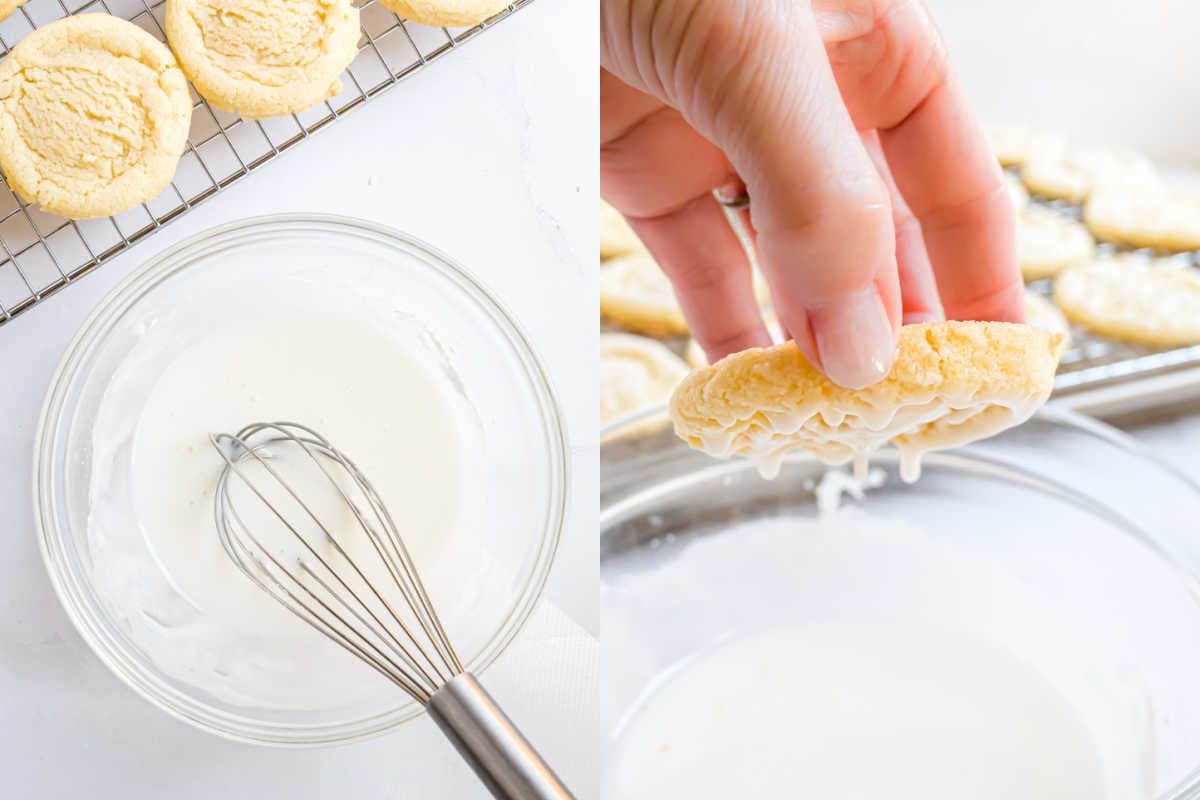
{"x":376,"y":386}
{"x":843,"y":711}
{"x":836,"y":484}
{"x":772,"y":436}
{"x":848,"y":566}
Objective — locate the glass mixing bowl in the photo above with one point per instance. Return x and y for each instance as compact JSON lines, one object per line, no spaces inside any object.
{"x":518,"y":443}
{"x":1062,"y":543}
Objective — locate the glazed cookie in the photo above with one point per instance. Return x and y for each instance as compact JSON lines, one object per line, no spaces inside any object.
{"x":94,"y":115}
{"x":616,"y":237}
{"x":1062,"y":174}
{"x":449,"y":13}
{"x":1133,"y":298}
{"x":263,"y":59}
{"x":7,"y":7}
{"x":636,"y":374}
{"x":1013,"y":144}
{"x":1044,"y":315}
{"x":952,"y":383}
{"x":1145,"y":216}
{"x":1047,"y":242}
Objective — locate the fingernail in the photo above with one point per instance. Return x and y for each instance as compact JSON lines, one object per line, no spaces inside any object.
{"x":917,"y":317}
{"x":854,"y":340}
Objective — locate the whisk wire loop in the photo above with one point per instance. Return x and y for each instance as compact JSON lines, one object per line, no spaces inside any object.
{"x":323,"y":583}
{"x":419,"y":672}
{"x":358,"y":645}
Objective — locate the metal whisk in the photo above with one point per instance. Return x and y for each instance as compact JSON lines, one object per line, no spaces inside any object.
{"x":344,"y":569}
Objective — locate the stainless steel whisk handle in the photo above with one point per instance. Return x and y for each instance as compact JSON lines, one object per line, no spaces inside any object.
{"x":486,"y":738}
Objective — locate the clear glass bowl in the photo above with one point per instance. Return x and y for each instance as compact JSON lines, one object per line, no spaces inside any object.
{"x":521,"y":451}
{"x":1066,"y":545}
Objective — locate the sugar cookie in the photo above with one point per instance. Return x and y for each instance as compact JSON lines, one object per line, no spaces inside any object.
{"x":1017,"y":192}
{"x":1145,"y":216}
{"x":1044,"y":315}
{"x":616,"y":237}
{"x":636,"y":374}
{"x":1048,"y":241}
{"x":1067,"y":174}
{"x":1133,"y":298}
{"x":263,"y":58}
{"x":94,"y":115}
{"x":1014,"y":143}
{"x":7,"y":7}
{"x":453,"y":13}
{"x":952,"y":383}
{"x":636,"y":294}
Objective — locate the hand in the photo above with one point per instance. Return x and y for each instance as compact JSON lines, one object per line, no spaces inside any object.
{"x":875,"y":196}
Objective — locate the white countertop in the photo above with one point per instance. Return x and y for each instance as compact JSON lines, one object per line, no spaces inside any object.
{"x":489,"y":155}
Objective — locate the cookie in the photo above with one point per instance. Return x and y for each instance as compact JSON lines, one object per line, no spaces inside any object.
{"x":7,"y":7}
{"x":1044,"y":315}
{"x":636,"y":294}
{"x":94,"y":115}
{"x":1145,"y":216}
{"x":1070,"y":174}
{"x":1013,"y":143}
{"x":1133,"y":298}
{"x":616,"y":237}
{"x":951,"y":383}
{"x":1047,"y":242}
{"x":263,"y":58}
{"x":1017,"y":192}
{"x":446,"y":13}
{"x":636,"y":374}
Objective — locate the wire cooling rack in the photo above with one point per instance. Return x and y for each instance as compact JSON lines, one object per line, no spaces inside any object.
{"x":1092,"y":362}
{"x":1095,"y":374}
{"x":41,"y":253}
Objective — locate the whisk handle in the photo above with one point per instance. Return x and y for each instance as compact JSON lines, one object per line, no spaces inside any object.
{"x":486,"y":738}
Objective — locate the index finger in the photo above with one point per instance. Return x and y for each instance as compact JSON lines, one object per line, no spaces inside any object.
{"x":946,"y":171}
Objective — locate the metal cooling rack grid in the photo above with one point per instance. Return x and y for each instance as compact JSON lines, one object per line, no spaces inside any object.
{"x":1092,"y":361}
{"x":41,"y":253}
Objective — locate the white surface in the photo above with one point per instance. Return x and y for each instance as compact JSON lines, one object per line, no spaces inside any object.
{"x":490,"y":156}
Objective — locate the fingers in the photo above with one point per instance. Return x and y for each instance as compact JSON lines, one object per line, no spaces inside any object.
{"x":893,"y":72}
{"x":659,"y":172}
{"x":651,"y":160}
{"x":709,"y":269}
{"x":918,"y":288}
{"x":963,"y":207}
{"x":820,"y":210}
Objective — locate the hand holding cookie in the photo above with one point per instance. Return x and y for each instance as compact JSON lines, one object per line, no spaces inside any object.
{"x":875,"y":195}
